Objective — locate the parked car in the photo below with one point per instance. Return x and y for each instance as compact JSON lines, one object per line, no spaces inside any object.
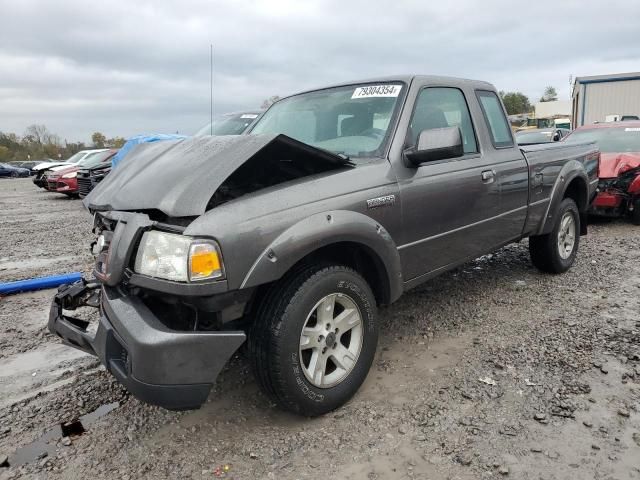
{"x":7,"y":170}
{"x":619,"y":169}
{"x":89,"y":175}
{"x":541,"y":135}
{"x":28,"y":164}
{"x":39,"y":170}
{"x":65,"y":179}
{"x":338,"y":200}
{"x":230,"y":124}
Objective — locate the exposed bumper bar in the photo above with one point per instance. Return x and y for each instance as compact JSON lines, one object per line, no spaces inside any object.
{"x":172,"y":369}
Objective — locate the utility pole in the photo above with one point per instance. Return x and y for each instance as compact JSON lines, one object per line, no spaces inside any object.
{"x":211,"y":89}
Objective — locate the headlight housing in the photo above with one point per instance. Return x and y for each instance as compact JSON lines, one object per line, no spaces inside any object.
{"x":70,"y":175}
{"x":178,"y":257}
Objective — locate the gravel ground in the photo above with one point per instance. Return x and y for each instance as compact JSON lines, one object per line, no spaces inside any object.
{"x":493,"y":370}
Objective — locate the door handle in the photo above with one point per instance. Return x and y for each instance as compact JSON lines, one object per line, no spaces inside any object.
{"x":537,"y":180}
{"x":488,"y":176}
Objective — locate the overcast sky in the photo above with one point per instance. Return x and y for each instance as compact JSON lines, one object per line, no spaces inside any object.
{"x":123,"y":67}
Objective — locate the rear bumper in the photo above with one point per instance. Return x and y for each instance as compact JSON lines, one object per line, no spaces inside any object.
{"x":168,"y":368}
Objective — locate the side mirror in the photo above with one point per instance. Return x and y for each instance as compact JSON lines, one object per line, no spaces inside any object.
{"x":436,"y":144}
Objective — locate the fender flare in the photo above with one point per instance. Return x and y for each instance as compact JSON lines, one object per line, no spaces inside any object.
{"x":570,"y":171}
{"x":321,"y":230}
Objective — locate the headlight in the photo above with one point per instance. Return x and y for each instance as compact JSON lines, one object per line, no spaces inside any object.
{"x":178,"y":258}
{"x":70,"y":175}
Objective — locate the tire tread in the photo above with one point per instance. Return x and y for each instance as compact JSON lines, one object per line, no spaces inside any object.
{"x":543,"y":249}
{"x":266,"y":329}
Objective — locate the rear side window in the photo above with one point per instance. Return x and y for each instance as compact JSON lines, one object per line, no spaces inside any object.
{"x":494,"y":116}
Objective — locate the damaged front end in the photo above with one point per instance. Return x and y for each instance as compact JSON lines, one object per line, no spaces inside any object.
{"x":165,"y":330}
{"x":152,"y":341}
{"x":618,"y":196}
{"x":185,"y":178}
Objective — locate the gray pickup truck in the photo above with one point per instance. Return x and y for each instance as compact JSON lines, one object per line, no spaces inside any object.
{"x":289,"y":237}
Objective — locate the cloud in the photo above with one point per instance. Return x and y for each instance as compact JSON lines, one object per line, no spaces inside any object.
{"x":123,"y":68}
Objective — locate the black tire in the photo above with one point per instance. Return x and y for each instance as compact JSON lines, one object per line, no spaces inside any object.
{"x":544,"y":250}
{"x":275,"y":338}
{"x":15,"y":174}
{"x":635,"y":213}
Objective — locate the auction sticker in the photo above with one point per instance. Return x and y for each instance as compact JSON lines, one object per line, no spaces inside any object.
{"x":632,"y":129}
{"x":377,"y":91}
{"x":249,"y":115}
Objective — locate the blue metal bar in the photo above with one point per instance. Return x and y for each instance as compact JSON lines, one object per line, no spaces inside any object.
{"x":39,"y":283}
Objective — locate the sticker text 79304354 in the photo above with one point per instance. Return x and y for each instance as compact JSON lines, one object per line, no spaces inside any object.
{"x":377,"y":91}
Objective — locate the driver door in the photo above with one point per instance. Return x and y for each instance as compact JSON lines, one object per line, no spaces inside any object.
{"x":446,"y":203}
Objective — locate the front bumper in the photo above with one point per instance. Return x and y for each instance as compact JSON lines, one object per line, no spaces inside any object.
{"x":39,"y":181}
{"x":66,"y":186}
{"x":160,"y":366}
{"x":608,"y":204}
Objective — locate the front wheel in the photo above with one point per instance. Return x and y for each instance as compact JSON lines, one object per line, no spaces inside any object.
{"x":314,"y":338}
{"x":555,"y":252}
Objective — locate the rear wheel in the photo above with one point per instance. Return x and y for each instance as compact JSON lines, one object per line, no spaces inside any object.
{"x":15,"y":174}
{"x":556,"y":251}
{"x":313,"y":339}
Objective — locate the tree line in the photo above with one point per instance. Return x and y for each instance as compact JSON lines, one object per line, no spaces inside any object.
{"x":518,"y":102}
{"x":38,"y":143}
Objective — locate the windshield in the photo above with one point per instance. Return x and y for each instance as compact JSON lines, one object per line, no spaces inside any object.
{"x":609,"y":139}
{"x":534,"y":137}
{"x":351,"y":120}
{"x":76,"y":157}
{"x":96,"y":158}
{"x":229,"y":124}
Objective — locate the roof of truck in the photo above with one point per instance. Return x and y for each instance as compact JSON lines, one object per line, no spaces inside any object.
{"x":407,"y":78}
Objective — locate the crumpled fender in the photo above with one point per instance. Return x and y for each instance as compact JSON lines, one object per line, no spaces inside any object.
{"x":570,"y":171}
{"x":320,"y":230}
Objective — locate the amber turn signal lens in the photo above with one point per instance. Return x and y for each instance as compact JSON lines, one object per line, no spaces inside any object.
{"x":204,"y":261}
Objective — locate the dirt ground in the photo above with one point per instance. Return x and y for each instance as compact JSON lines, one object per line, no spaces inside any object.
{"x":493,"y":370}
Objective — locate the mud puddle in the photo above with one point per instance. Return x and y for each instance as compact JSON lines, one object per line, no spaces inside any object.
{"x":46,"y":445}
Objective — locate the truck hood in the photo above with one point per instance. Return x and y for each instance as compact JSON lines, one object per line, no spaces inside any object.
{"x":613,"y":164}
{"x":187,"y":177}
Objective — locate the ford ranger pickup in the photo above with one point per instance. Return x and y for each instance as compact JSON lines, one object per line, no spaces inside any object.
{"x":288,"y":238}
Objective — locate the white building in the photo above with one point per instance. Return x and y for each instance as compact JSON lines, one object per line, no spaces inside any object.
{"x":599,"y":98}
{"x":557,"y":108}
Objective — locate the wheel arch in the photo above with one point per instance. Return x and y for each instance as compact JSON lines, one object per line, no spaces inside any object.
{"x":343,"y":237}
{"x":572,"y":182}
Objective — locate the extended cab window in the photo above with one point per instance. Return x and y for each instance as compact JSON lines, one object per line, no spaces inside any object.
{"x":440,"y":107}
{"x":494,"y":116}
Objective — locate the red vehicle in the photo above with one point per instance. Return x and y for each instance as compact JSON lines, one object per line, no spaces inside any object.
{"x":619,"y":167}
{"x":64,"y":179}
